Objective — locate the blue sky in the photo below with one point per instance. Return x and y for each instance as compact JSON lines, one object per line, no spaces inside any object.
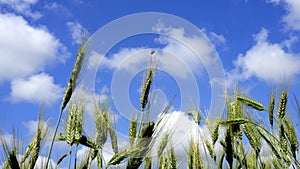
{"x":257,"y":42}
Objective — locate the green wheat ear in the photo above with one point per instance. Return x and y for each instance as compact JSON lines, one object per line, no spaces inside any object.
{"x":70,"y":87}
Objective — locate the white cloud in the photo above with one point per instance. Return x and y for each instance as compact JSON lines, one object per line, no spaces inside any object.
{"x":77,"y":32}
{"x":267,"y":61}
{"x":22,"y":7}
{"x":36,"y":89}
{"x":24,"y":49}
{"x":180,"y":56}
{"x":292,"y":18}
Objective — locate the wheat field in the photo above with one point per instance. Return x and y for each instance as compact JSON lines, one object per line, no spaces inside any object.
{"x":240,"y":136}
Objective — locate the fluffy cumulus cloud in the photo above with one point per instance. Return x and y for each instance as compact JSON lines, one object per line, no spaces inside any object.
{"x":38,"y":88}
{"x":22,"y":7}
{"x":292,"y":18}
{"x":77,"y":32}
{"x":24,"y":49}
{"x":267,"y":61}
{"x":181,"y":54}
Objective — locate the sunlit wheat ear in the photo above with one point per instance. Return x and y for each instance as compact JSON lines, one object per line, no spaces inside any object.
{"x":282,"y":105}
{"x":163,"y":162}
{"x":271,"y":110}
{"x":251,"y":103}
{"x":70,"y":87}
{"x":70,"y":126}
{"x":290,"y":131}
{"x":75,"y":72}
{"x":146,"y":88}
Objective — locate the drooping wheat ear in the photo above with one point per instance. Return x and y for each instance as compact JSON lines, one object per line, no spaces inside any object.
{"x":132,"y":131}
{"x":148,"y":163}
{"x":70,"y":87}
{"x":162,"y":145}
{"x":253,"y":137}
{"x":271,"y":110}
{"x":210,"y":150}
{"x":172,"y":160}
{"x":271,"y":141}
{"x":290,"y":131}
{"x":12,"y":160}
{"x":238,"y":121}
{"x":146,"y":88}
{"x":251,"y":103}
{"x":282,"y":105}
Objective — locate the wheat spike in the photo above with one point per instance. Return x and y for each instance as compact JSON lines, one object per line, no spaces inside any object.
{"x":146,"y":88}
{"x":215,"y":134}
{"x":271,"y":110}
{"x":252,"y":103}
{"x":132,"y":131}
{"x":282,"y":105}
{"x":162,"y":145}
{"x":291,"y":135}
{"x":70,"y":87}
{"x":234,"y":121}
{"x":70,"y":127}
{"x":196,"y":116}
{"x":113,"y":138}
